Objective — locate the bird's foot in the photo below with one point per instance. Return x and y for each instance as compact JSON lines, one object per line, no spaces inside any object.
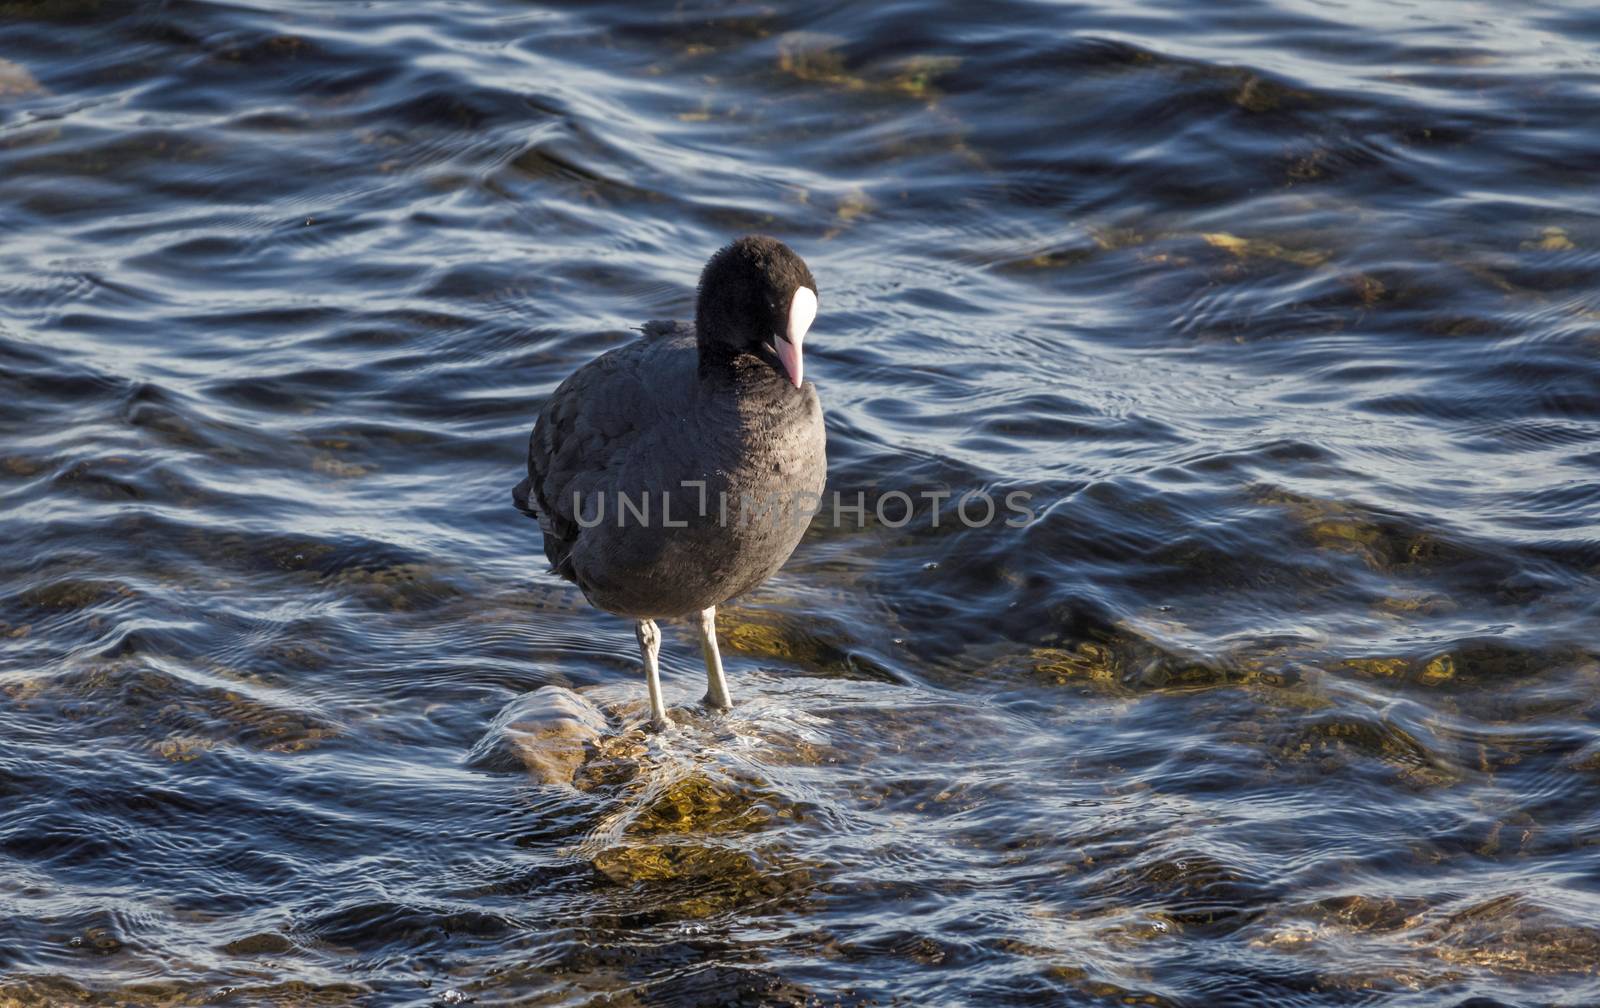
{"x":660,"y":724}
{"x":714,"y":703}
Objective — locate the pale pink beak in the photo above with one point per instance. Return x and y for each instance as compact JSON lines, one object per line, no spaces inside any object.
{"x":802,"y":312}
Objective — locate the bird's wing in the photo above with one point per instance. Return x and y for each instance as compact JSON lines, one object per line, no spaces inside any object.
{"x":587,"y":440}
{"x":662,"y":327}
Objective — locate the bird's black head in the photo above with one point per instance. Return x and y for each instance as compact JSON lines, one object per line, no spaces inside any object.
{"x":756,"y":297}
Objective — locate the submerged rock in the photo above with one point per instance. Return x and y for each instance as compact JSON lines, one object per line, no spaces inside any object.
{"x":549,"y":733}
{"x":16,"y":81}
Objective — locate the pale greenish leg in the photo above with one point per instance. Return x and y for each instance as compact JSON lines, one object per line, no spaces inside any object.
{"x":716,"y":686}
{"x":650,"y":649}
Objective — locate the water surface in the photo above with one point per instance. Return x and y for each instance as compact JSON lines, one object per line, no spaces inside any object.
{"x":1283,"y":312}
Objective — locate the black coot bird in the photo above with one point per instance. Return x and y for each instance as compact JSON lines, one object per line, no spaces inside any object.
{"x":676,"y":472}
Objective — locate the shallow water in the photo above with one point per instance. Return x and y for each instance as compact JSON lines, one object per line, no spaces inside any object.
{"x":1284,"y":313}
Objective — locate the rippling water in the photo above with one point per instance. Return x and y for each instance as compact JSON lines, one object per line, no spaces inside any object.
{"x":1284,"y":312}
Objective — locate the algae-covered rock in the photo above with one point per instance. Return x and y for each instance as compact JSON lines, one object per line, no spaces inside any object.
{"x":815,"y":58}
{"x":1551,"y":239}
{"x":1258,"y":248}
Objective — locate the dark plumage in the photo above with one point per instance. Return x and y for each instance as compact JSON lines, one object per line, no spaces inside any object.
{"x":720,"y":403}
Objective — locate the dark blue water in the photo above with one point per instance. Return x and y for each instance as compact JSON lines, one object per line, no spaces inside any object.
{"x":1285,"y":313}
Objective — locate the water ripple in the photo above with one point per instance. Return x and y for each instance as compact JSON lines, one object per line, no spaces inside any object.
{"x":1280,"y":319}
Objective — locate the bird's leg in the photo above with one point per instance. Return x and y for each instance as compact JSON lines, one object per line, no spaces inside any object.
{"x":716,"y":686}
{"x":649,"y":649}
